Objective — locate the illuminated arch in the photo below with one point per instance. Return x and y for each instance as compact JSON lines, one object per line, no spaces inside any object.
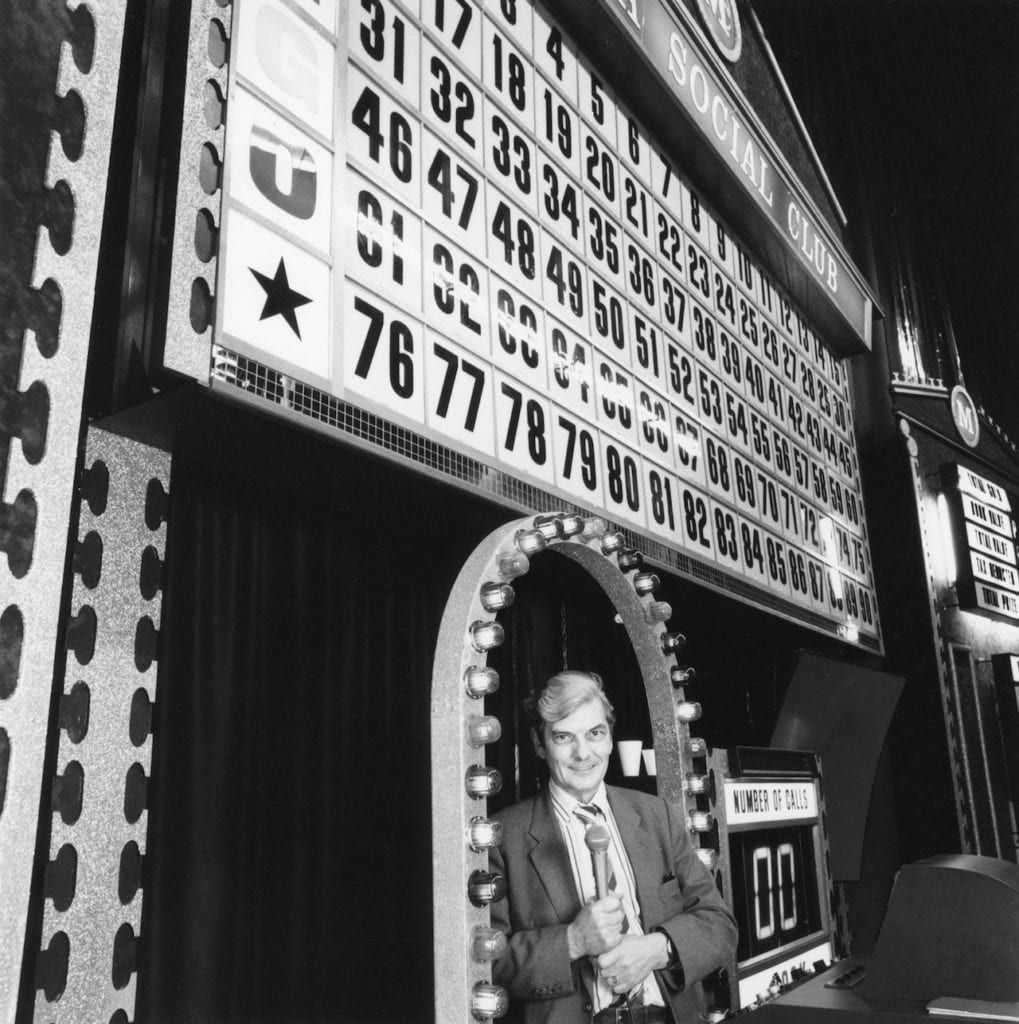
{"x":461,"y":833}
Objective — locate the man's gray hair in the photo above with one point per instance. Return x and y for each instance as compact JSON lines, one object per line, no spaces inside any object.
{"x":564,"y":693}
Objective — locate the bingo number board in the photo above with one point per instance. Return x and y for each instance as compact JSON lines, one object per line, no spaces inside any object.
{"x":437,"y":210}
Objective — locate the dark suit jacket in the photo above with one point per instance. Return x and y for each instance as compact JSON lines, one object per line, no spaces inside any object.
{"x":675,"y":892}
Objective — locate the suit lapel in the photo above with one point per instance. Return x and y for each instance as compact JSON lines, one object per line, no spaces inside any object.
{"x":551,"y":861}
{"x":638,"y":844}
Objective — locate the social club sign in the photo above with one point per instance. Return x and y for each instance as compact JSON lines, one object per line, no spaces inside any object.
{"x":438,"y":210}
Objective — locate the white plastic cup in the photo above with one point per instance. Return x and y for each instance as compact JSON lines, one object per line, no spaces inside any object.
{"x":629,"y":756}
{"x":649,"y":760}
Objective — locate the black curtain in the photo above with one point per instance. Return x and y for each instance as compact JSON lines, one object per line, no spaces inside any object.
{"x":287,"y":874}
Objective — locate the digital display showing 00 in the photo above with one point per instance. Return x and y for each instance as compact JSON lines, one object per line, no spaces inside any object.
{"x":775,"y":895}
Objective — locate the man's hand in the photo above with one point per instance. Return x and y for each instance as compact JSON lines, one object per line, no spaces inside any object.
{"x":596,"y":928}
{"x":632,"y":960}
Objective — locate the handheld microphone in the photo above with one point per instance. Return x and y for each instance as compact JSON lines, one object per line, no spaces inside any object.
{"x":598,"y":840}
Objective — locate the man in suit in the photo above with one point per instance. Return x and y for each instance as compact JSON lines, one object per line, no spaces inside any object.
{"x":634,"y":956}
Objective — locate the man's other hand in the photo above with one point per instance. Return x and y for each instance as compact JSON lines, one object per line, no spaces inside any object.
{"x":597,"y":928}
{"x":630,"y":961}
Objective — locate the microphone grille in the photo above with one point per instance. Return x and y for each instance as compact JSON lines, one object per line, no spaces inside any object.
{"x":597,"y":838}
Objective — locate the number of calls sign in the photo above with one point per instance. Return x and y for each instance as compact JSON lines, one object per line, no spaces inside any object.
{"x":439,"y":211}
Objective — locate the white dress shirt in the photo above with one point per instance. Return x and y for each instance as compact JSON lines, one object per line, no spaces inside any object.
{"x":573,"y":831}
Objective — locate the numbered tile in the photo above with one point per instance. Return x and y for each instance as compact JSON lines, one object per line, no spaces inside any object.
{"x":604,"y":242}
{"x":597,"y":105}
{"x":634,"y":148}
{"x":696,"y":218}
{"x":688,"y":446}
{"x":776,"y":564}
{"x":748,"y":326}
{"x":664,"y":503}
{"x":721,"y":247}
{"x":382,"y":243}
{"x":555,"y":55}
{"x":638,"y":210}
{"x":649,"y":358}
{"x":600,"y":171}
{"x":511,"y":158}
{"x":808,"y":384}
{"x":769,"y":507}
{"x":697,"y":525}
{"x":769,"y":344}
{"x":669,"y":242}
{"x":572,"y":363}
{"x":809,"y":526}
{"x":818,"y":486}
{"x":753,"y":551}
{"x":726,"y":537}
{"x":744,"y":486}
{"x":454,"y":195}
{"x":523,"y":429}
{"x":452,"y":105}
{"x":718,"y":466}
{"x":723,"y":293}
{"x":776,"y":399}
{"x":654,"y":425}
{"x":622,"y":490}
{"x":710,"y":401}
{"x":705,"y":336}
{"x":615,"y":402}
{"x":760,"y":440}
{"x":564,"y":283}
{"x":799,"y":582}
{"x":823,"y":598}
{"x":512,"y":243}
{"x":815,"y":437}
{"x":382,"y":354}
{"x":383,"y":138}
{"x":457,"y":23}
{"x":508,"y":75}
{"x":458,"y":389}
{"x":577,"y":457}
{"x":641,"y":276}
{"x":667,"y":186}
{"x":557,"y":127}
{"x":456,"y":297}
{"x":610,"y":323}
{"x":518,"y":341}
{"x":560,"y":204}
{"x":795,"y":418}
{"x":675,"y":310}
{"x":384,"y":40}
{"x":698,"y":275}
{"x":682,"y":379}
{"x":745,"y":271}
{"x":782,"y":455}
{"x":730,"y":361}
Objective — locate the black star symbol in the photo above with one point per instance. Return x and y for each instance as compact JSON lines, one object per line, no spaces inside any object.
{"x":280,"y":298}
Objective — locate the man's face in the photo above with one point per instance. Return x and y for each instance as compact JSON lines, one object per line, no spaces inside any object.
{"x":577,"y":749}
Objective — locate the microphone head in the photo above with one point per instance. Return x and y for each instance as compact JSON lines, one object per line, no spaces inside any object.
{"x":597,"y":838}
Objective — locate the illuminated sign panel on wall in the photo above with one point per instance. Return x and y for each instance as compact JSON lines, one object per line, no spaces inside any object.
{"x":985,"y":536}
{"x":440,"y":212}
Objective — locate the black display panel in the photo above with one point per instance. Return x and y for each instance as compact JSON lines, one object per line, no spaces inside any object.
{"x":775,"y":896}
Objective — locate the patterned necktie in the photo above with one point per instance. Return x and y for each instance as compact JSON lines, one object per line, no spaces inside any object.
{"x":591,"y":814}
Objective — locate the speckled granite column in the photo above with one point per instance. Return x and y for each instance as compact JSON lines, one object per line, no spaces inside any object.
{"x":93,"y":900}
{"x":45,"y":344}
